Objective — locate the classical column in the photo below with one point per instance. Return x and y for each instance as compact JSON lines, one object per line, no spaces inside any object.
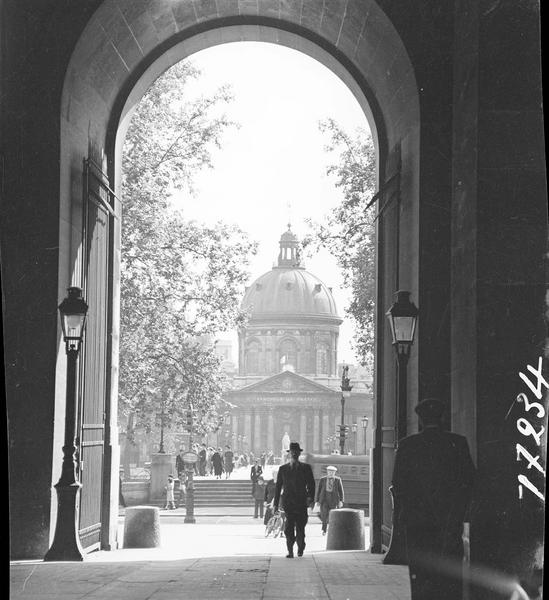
{"x":270,"y":433}
{"x":247,"y":430}
{"x":258,"y":442}
{"x":326,"y":431}
{"x":317,"y":441}
{"x":303,"y":430}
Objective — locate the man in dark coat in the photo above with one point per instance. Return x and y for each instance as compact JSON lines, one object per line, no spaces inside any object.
{"x":432,"y":480}
{"x":202,"y":460}
{"x":255,"y":472}
{"x":296,"y":481}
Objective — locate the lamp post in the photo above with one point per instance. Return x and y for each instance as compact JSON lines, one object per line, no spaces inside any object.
{"x":364,"y":422}
{"x":402,"y":318}
{"x":345,"y":393}
{"x":66,"y":542}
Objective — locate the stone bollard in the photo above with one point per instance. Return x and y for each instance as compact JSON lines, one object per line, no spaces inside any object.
{"x":141,"y":527}
{"x":346,"y":529}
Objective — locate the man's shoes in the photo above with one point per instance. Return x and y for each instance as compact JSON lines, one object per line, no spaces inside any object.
{"x":300,"y":552}
{"x":290,"y":555}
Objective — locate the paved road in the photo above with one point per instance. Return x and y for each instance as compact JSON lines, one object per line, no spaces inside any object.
{"x":221,"y":558}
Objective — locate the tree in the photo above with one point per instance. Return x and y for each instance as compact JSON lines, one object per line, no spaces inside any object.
{"x":181,"y":281}
{"x":348,"y":231}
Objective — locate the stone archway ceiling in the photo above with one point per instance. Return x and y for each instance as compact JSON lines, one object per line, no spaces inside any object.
{"x":127,"y":39}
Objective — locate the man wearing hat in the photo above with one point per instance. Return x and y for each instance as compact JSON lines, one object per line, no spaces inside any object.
{"x":432,"y":482}
{"x":297,"y":483}
{"x":329,"y":494}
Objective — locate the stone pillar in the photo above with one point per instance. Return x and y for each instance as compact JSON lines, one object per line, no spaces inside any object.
{"x":317,"y":446}
{"x":270,"y":433}
{"x":303,"y":430}
{"x":258,"y":441}
{"x":325,"y":429}
{"x":162,"y":465}
{"x":247,"y":430}
{"x":499,"y":218}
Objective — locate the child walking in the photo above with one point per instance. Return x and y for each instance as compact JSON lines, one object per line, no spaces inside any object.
{"x":169,"y":487}
{"x":259,"y":497}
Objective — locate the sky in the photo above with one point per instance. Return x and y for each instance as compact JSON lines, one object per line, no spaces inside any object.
{"x":272,"y":169}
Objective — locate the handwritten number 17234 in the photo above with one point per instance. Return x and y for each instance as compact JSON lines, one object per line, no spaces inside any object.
{"x":527,"y":429}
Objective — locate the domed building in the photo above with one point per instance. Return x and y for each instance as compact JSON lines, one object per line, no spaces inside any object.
{"x":288,"y":379}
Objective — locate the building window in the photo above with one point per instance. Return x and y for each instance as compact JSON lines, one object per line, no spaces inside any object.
{"x":322,"y":360}
{"x":252,"y":359}
{"x":288,"y":355}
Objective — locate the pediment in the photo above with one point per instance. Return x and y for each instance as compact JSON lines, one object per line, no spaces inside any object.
{"x":286,"y":382}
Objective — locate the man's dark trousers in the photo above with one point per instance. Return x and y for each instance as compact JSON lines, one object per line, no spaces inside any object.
{"x":430,"y":553}
{"x":294,"y":530}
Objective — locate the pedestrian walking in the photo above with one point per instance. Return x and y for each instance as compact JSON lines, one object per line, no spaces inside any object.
{"x":259,"y":497}
{"x":202,"y":460}
{"x":329,"y":495}
{"x":217,"y":463}
{"x":296,"y":481}
{"x":255,"y":472}
{"x":209,"y":466}
{"x":228,"y":459}
{"x":169,"y":487}
{"x":432,"y":484}
{"x":180,"y":464}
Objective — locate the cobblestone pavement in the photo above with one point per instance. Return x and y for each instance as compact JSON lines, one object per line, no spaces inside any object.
{"x":222,"y":558}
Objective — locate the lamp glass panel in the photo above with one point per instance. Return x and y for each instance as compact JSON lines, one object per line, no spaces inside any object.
{"x":404,"y":329}
{"x":346,"y":393}
{"x":73,"y":325}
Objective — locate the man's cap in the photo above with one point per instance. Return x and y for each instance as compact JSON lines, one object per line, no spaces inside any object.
{"x":295,"y":446}
{"x":432,"y":408}
{"x":331,"y":468}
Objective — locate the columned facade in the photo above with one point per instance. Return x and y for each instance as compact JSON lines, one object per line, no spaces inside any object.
{"x":288,"y":360}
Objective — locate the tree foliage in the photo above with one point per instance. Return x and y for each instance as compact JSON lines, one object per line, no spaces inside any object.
{"x":181,"y":281}
{"x":348,"y":231}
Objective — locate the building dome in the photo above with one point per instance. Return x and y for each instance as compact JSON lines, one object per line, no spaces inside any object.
{"x":288,"y":289}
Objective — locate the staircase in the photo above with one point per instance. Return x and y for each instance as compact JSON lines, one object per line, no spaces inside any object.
{"x":222,"y":492}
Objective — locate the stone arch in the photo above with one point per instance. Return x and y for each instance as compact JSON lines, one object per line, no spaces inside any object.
{"x":126,"y":44}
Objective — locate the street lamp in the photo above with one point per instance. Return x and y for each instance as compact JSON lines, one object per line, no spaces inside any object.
{"x":345,"y":393}
{"x":364,"y":422}
{"x":66,"y":542}
{"x":402,"y":318}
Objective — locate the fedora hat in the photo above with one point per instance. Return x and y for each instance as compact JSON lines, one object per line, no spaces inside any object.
{"x":295,"y":446}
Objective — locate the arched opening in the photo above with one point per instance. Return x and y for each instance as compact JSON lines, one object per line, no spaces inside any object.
{"x":101,"y":90}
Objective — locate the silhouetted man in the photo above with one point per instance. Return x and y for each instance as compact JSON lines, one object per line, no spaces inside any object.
{"x":297,"y":483}
{"x":432,"y":479}
{"x":255,"y":472}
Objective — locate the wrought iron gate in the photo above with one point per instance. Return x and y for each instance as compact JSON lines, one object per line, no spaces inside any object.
{"x":98,"y":215}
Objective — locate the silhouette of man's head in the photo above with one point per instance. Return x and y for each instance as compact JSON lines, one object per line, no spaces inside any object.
{"x":430,"y":411}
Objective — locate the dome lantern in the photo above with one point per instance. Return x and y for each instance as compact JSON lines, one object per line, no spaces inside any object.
{"x":290,"y":252}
